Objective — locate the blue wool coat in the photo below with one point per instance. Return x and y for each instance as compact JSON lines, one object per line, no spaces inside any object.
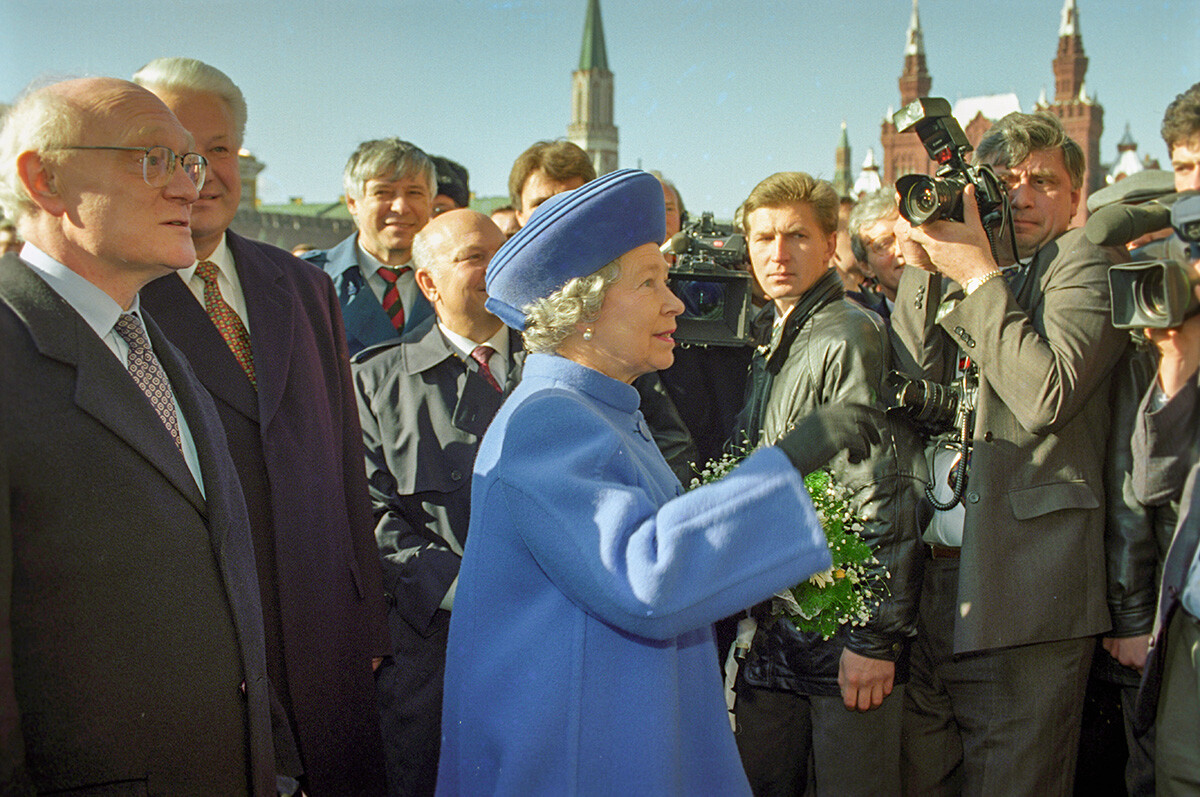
{"x":581,"y":656}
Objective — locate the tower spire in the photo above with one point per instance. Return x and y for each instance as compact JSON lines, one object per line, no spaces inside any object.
{"x":914,"y":80}
{"x":843,"y":180}
{"x":591,"y":126}
{"x":1070,"y":63}
{"x":915,"y":43}
{"x":592,"y":55}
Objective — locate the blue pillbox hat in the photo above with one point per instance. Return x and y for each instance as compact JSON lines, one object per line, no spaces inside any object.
{"x":573,"y":234}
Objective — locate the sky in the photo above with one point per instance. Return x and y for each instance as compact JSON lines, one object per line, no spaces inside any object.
{"x":715,"y":94}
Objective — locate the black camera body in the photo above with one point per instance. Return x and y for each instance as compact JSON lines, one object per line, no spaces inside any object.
{"x":1159,"y":294}
{"x":924,"y":198}
{"x":710,"y":278}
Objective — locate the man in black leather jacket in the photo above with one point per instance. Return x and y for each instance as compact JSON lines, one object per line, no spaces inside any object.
{"x":838,"y":698}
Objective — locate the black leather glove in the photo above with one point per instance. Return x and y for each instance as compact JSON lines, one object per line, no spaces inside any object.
{"x":830,"y":429}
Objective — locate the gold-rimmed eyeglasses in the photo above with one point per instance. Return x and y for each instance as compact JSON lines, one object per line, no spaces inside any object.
{"x":158,"y":164}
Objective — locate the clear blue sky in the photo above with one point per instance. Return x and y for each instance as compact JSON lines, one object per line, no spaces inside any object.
{"x":715,"y":94}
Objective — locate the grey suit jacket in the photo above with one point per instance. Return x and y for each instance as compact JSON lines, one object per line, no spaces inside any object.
{"x":423,"y":411}
{"x":131,"y":637}
{"x":1032,"y":567}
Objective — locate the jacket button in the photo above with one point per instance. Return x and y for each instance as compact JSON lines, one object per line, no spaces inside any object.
{"x":456,"y":475}
{"x":960,"y":330}
{"x":973,"y":498}
{"x":987,"y":437}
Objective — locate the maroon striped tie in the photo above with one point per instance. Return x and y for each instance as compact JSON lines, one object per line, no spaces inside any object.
{"x":391,"y":297}
{"x":481,"y":355}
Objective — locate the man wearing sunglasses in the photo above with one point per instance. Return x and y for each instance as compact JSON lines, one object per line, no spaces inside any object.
{"x":131,"y":636}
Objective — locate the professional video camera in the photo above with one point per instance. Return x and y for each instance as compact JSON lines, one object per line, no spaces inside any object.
{"x":710,"y":279}
{"x":1158,"y":294}
{"x":924,"y":198}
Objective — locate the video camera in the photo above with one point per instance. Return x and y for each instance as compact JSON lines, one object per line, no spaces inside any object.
{"x":1156,"y":294}
{"x":710,"y":278}
{"x":924,"y":198}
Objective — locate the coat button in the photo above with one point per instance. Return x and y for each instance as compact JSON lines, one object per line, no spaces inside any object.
{"x":987,"y":437}
{"x":456,"y":475}
{"x":973,"y":498}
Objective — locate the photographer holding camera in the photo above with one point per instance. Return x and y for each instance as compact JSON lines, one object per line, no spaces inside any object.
{"x":1166,"y":448}
{"x":1014,"y":587}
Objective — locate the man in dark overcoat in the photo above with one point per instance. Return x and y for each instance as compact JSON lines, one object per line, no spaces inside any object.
{"x":263,"y":331}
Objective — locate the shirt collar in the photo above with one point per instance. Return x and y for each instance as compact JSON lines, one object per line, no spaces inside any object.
{"x":221,"y":257}
{"x":464,"y":346}
{"x":96,"y":307}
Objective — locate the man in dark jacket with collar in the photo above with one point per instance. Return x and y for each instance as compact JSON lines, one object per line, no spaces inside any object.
{"x":796,"y":688}
{"x":424,"y":404}
{"x":390,"y":185}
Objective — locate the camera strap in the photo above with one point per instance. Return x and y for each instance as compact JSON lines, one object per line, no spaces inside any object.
{"x":967,"y":376}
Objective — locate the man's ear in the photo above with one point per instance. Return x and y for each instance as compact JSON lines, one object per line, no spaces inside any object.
{"x":39,"y":183}
{"x":425,"y":283}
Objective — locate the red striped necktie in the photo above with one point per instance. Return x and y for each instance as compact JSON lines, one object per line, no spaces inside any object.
{"x":391,"y":297}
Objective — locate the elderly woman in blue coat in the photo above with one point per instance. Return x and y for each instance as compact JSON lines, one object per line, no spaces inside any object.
{"x":581,"y":657}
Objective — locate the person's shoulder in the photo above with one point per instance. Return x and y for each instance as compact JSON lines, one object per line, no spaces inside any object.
{"x":1073,"y":247}
{"x":417,"y":351}
{"x":338,"y":257}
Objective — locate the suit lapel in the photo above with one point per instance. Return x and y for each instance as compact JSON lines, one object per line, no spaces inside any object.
{"x":193,"y":332}
{"x":272,"y":317}
{"x":103,"y":387}
{"x":365,"y":319}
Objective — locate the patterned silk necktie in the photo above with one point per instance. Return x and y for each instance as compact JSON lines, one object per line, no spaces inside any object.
{"x":148,"y":372}
{"x":225,"y":319}
{"x":481,"y":355}
{"x":391,"y":297}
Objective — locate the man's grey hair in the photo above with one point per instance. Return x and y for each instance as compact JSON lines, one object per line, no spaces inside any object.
{"x":42,"y":121}
{"x":1018,"y":135}
{"x":386,"y":159}
{"x":550,"y":321}
{"x":188,"y":74}
{"x":871,"y":208}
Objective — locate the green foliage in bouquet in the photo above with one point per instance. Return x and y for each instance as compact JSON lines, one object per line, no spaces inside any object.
{"x":850,"y":590}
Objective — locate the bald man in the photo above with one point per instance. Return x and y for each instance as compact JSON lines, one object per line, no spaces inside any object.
{"x":131,"y":631}
{"x":424,"y":403}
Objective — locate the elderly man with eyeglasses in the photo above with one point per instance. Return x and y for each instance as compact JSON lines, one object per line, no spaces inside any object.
{"x":131,"y":632}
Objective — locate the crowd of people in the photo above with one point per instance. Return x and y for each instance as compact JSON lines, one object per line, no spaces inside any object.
{"x":409,"y":514}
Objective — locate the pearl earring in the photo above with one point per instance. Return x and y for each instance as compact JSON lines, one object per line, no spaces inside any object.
{"x":587,"y":334}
